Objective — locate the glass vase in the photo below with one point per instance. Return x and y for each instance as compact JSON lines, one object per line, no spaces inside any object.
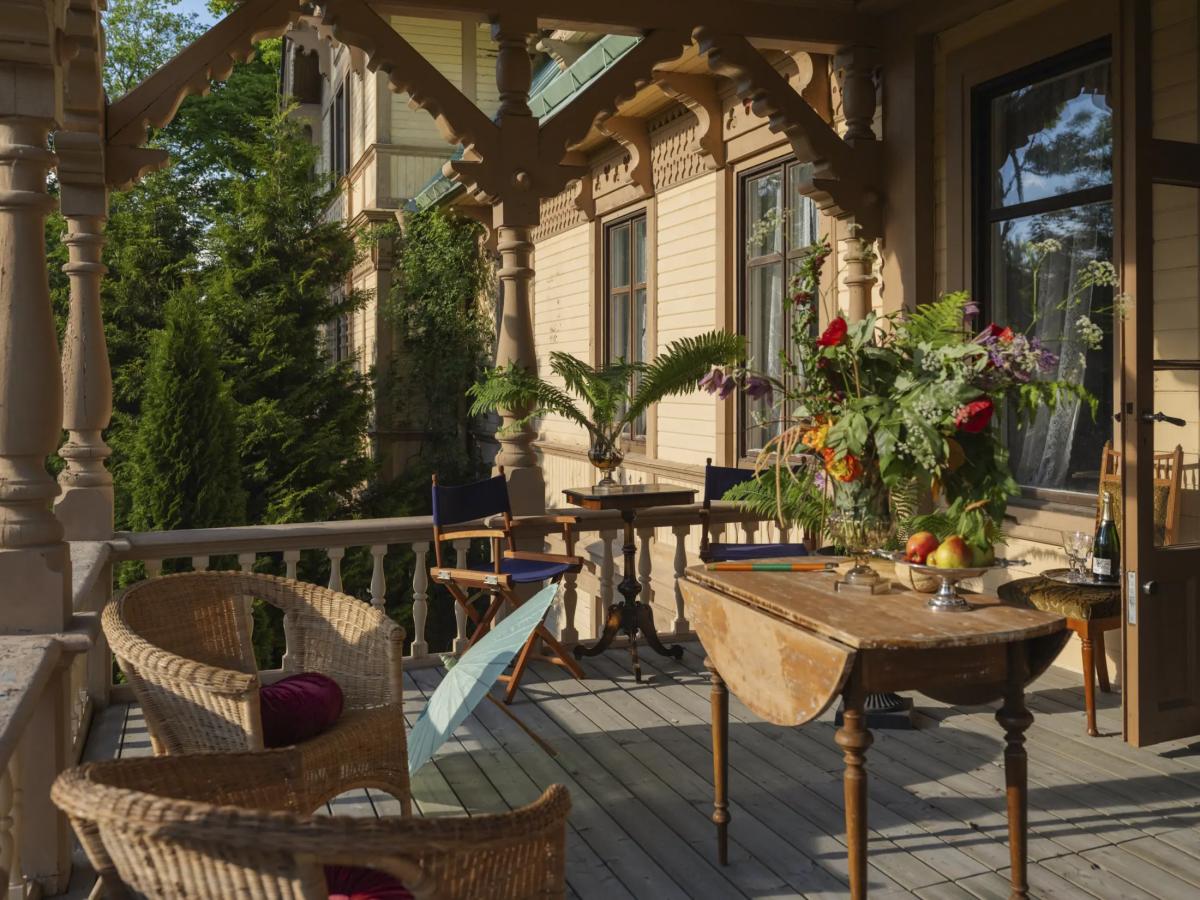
{"x":860,"y":523}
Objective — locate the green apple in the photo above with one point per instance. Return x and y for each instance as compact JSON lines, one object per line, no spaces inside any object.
{"x":953,"y":553}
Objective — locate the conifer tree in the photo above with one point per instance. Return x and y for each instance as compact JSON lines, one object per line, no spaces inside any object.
{"x":184,"y":470}
{"x":278,"y":272}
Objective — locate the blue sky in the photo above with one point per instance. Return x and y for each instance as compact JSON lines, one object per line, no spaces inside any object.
{"x":199,"y":7}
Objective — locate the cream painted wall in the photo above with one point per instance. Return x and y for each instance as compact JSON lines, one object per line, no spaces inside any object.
{"x":686,"y":279}
{"x":562,"y":313}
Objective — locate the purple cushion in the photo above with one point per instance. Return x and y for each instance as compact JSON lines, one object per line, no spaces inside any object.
{"x":352,"y":883}
{"x":299,"y":707}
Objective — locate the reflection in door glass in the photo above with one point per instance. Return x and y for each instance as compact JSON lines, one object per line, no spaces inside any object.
{"x":1176,"y":365}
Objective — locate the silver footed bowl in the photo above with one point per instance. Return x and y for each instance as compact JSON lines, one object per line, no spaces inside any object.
{"x":947,"y":598}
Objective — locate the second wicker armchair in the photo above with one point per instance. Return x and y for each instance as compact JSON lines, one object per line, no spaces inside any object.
{"x":184,"y":643}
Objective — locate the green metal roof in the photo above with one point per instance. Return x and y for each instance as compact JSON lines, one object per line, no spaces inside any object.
{"x":547,"y":99}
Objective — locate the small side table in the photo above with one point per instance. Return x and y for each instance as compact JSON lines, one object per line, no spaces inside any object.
{"x":630,"y":615}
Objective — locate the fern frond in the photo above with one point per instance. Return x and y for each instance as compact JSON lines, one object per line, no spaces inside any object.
{"x":940,"y":321}
{"x":679,"y":368}
{"x":515,"y":389}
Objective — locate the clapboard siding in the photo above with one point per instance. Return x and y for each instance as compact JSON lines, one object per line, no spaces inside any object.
{"x":440,"y":42}
{"x":688,"y":242}
{"x":1174,"y":43}
{"x":409,"y":172}
{"x":562,"y":313}
{"x":487,"y":97}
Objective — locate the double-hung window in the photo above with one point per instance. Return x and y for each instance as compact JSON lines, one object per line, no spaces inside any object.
{"x":1042,"y":144}
{"x":625,"y":298}
{"x":339,"y":130}
{"x":777,"y":224}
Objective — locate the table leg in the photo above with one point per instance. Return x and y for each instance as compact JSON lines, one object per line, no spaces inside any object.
{"x":629,"y":615}
{"x":854,"y":738}
{"x":1015,"y":718}
{"x":720,"y":750}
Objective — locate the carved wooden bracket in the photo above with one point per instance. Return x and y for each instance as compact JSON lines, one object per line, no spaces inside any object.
{"x":585,"y":196}
{"x":459,"y":121}
{"x":699,"y":94}
{"x":620,"y":82}
{"x":154,"y":102}
{"x":841,"y":179}
{"x":632,"y":134}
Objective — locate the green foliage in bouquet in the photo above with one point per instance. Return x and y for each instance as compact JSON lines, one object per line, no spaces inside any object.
{"x":895,"y":400}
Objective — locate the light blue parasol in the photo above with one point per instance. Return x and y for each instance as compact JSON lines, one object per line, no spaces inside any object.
{"x":470,"y":679}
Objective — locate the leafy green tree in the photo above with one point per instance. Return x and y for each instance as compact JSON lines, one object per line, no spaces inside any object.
{"x":141,"y":36}
{"x":278,"y":271}
{"x":184,"y":470}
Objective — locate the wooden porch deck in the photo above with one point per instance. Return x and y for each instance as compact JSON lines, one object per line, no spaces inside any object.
{"x":1106,"y":820}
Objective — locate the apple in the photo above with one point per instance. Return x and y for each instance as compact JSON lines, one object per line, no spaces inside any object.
{"x":919,"y":546}
{"x":952,"y":554}
{"x":983,"y":556}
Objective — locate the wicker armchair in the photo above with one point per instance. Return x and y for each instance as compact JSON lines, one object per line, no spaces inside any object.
{"x":224,"y":825}
{"x":183,"y":642}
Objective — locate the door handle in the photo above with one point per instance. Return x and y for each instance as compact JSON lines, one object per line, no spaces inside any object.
{"x":1150,"y":418}
{"x":1149,"y":588}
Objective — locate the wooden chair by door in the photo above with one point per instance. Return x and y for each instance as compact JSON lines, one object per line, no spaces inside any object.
{"x":1091,"y":611}
{"x":456,"y":513}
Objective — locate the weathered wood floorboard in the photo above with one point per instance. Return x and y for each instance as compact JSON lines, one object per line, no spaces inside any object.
{"x":1107,"y":820}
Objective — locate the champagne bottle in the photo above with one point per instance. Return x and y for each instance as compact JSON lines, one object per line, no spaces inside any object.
{"x":1106,"y":546}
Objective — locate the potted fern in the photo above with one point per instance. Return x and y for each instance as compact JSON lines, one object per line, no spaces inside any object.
{"x":604,"y":400}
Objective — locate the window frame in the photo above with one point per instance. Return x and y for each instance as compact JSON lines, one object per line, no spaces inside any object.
{"x":634,"y":437}
{"x":339,"y":130}
{"x":745,"y":267}
{"x":984,"y":215}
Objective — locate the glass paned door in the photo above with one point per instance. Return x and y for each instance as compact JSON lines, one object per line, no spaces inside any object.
{"x":1160,"y":597}
{"x":1043,"y":143}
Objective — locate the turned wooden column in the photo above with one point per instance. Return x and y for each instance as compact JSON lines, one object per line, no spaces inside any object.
{"x":856,"y":69}
{"x":85,"y":507}
{"x":858,"y":264}
{"x":35,"y":570}
{"x":515,"y":215}
{"x":34,"y":566}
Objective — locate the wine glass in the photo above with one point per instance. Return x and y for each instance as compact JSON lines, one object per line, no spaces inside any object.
{"x":1076,"y":545}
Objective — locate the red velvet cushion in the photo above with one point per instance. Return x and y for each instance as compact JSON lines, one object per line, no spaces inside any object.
{"x":299,"y":707}
{"x":351,"y":883}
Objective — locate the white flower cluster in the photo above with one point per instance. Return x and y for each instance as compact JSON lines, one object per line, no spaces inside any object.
{"x":1044,"y":248}
{"x":1098,"y":273}
{"x":1090,"y":333}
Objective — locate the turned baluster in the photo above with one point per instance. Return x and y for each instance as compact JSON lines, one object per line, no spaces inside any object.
{"x":153,"y":567}
{"x":645,"y":537}
{"x":420,"y":606}
{"x":604,"y":596}
{"x":681,"y":532}
{"x":246,"y":562}
{"x":199,"y":563}
{"x":378,"y":578}
{"x":291,"y":563}
{"x":335,"y":555}
{"x":568,"y":633}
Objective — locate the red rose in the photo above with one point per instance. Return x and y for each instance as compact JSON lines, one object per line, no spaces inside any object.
{"x":832,"y":336}
{"x":975,"y":416}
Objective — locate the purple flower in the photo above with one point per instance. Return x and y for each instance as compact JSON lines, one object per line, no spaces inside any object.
{"x":1048,"y":361}
{"x":820,"y":479}
{"x":757,"y":386}
{"x":970,"y":310}
{"x":727,"y":387}
{"x":713,"y":380}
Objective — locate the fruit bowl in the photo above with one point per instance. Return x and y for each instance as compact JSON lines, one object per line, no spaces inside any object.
{"x":947,"y":598}
{"x":918,"y":581}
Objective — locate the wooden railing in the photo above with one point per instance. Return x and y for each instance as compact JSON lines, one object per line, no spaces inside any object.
{"x":381,"y":537}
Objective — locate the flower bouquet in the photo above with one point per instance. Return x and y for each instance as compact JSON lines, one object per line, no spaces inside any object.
{"x":906,"y":403}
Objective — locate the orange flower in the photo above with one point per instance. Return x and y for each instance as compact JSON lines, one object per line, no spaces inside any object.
{"x":814,"y":438}
{"x":845,"y":468}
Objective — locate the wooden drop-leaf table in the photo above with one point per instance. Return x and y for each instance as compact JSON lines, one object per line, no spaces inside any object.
{"x":788,"y":646}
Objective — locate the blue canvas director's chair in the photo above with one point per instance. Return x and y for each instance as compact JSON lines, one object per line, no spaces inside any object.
{"x":717,"y":482}
{"x":457,"y":511}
